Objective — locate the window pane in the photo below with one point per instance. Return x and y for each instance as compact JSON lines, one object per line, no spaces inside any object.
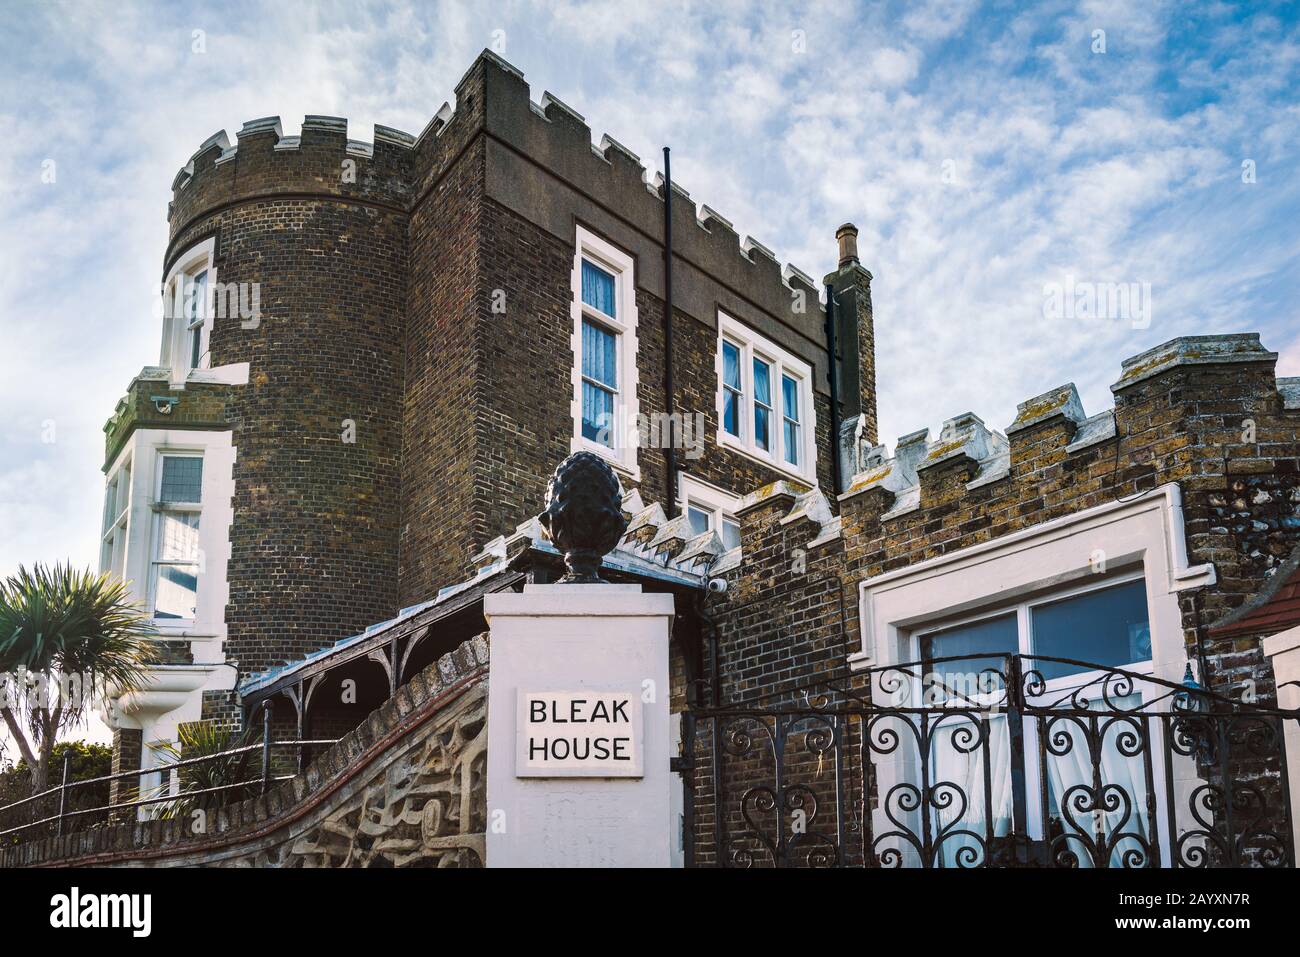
{"x":762,"y":426}
{"x":597,"y":414}
{"x":791,"y":440}
{"x":731,"y":366}
{"x":790,"y":396}
{"x":1107,"y":628}
{"x":196,"y":296}
{"x":987,"y":641}
{"x":110,"y":505}
{"x":598,"y":288}
{"x":698,"y":518}
{"x":762,"y":382}
{"x":175,"y":591}
{"x":178,"y":536}
{"x":731,"y":412}
{"x":182,"y":478}
{"x":730,"y":534}
{"x":196,"y":340}
{"x":599,"y":360}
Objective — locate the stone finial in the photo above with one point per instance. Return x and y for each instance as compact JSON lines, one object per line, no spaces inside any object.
{"x":584,"y":515}
{"x":847,"y":237}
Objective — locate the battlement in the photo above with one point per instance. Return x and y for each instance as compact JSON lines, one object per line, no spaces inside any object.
{"x":1050,"y":430}
{"x":398,"y":170}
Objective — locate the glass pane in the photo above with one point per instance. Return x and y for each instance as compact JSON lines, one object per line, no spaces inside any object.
{"x":762,"y":382}
{"x":699,"y":520}
{"x":791,"y":439}
{"x":1073,"y":763}
{"x":182,"y":479}
{"x":110,"y":505}
{"x":986,"y":641}
{"x":123,"y":489}
{"x":790,"y":396}
{"x":731,"y":412}
{"x":196,"y":296}
{"x":731,"y":366}
{"x":598,"y":288}
{"x":175,"y":591}
{"x":1106,"y":628}
{"x":730,"y":534}
{"x":178,"y":536}
{"x":762,"y":437}
{"x":597,"y":414}
{"x":599,"y":360}
{"x":196,"y":340}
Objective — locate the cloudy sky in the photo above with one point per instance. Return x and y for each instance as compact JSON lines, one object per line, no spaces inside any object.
{"x":986,"y":151}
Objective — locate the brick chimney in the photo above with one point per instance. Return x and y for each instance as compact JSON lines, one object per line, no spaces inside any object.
{"x":855,"y":338}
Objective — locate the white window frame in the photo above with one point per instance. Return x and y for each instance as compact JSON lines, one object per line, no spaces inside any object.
{"x":1072,"y":554}
{"x":161,"y":509}
{"x":177,"y":347}
{"x":116,"y":528}
{"x":754,"y":345}
{"x":627,"y":407}
{"x":720,"y":505}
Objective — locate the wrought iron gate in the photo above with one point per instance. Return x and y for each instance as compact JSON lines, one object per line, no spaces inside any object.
{"x":908,"y":766}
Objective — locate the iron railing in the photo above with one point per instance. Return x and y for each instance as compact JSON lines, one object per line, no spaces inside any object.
{"x":927,"y":765}
{"x":167,"y":793}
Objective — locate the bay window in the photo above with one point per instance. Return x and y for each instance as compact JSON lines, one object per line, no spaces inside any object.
{"x":605,"y":406}
{"x":174,"y":570}
{"x":117,"y":520}
{"x":764,"y":401}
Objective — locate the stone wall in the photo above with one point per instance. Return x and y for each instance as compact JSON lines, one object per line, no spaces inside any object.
{"x":405,"y":789}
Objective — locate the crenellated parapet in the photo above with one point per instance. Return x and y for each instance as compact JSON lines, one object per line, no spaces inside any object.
{"x":1053,"y":438}
{"x":321,"y":161}
{"x":398,"y":170}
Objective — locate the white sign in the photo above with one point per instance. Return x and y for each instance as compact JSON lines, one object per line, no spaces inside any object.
{"x":579,"y":734}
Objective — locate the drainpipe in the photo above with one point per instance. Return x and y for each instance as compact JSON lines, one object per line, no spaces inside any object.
{"x":833,"y":375}
{"x":669,"y":403}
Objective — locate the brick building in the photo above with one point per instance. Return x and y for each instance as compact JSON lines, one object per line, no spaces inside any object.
{"x":374,"y":355}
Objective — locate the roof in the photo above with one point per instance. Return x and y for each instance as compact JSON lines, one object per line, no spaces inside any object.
{"x":1275,"y":608}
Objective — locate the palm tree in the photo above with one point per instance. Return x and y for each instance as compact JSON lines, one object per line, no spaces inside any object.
{"x":64,"y":636}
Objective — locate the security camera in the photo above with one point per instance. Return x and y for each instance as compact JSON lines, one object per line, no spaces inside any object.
{"x":717,"y":585}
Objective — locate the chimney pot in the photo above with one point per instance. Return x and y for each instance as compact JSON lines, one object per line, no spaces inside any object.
{"x":847,"y":236}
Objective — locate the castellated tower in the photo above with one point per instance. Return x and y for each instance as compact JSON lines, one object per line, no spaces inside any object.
{"x":375,"y":353}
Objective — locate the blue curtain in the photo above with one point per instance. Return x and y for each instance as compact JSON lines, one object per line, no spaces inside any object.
{"x":600,"y":363}
{"x":762,"y":399}
{"x":731,"y":380}
{"x":598,"y":288}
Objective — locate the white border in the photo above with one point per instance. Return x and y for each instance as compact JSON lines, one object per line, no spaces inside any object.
{"x":627,"y":409}
{"x":787,"y":363}
{"x":174,"y":355}
{"x":1147,"y":529}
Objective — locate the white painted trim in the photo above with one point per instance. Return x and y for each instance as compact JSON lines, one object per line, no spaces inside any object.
{"x":722,"y":504}
{"x":207,"y":632}
{"x":175,"y":357}
{"x":783,"y":363}
{"x":627,"y":406}
{"x":1146,"y":530}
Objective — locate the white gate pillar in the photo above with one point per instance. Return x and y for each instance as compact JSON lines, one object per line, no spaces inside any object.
{"x":1284,"y":651}
{"x":578,"y":727}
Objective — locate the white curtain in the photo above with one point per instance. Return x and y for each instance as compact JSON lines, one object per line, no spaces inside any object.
{"x":1074,"y":768}
{"x":953,"y":762}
